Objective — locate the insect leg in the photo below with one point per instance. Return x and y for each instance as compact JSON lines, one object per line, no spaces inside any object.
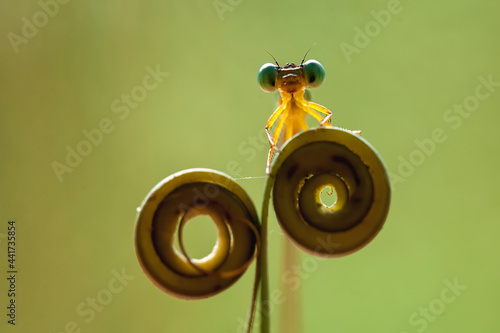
{"x":269,"y":158}
{"x":278,"y":129}
{"x":274,"y":139}
{"x":320,"y":108}
{"x":272,"y":120}
{"x":326,"y":120}
{"x":312,"y":111}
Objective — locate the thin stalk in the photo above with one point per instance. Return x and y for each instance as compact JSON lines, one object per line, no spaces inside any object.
{"x":290,"y":313}
{"x":265,"y":319}
{"x":261,"y":271}
{"x":255,"y":292}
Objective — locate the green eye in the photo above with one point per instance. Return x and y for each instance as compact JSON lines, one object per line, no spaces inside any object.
{"x":267,"y":77}
{"x":315,"y":73}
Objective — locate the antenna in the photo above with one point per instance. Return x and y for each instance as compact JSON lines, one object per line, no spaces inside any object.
{"x":276,"y":61}
{"x":306,"y":54}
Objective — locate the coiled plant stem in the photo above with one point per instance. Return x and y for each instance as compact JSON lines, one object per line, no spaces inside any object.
{"x":309,"y":162}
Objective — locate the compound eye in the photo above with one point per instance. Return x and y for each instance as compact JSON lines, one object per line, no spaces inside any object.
{"x":267,"y":76}
{"x":315,"y":73}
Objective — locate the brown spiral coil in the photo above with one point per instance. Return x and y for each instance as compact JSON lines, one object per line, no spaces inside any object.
{"x":162,"y":217}
{"x":339,"y":159}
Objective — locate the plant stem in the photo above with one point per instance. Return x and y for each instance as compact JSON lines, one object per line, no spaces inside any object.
{"x":261,"y":271}
{"x":255,"y":292}
{"x":290,"y":314}
{"x":265,"y":319}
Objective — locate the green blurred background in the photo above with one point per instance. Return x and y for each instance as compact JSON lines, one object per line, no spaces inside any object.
{"x":75,"y":231}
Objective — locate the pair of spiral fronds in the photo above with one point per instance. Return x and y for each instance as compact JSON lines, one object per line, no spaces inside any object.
{"x":312,"y":160}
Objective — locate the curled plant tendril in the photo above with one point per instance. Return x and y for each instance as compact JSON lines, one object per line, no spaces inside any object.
{"x":164,"y":213}
{"x":310,"y":161}
{"x":197,"y":263}
{"x":339,"y":159}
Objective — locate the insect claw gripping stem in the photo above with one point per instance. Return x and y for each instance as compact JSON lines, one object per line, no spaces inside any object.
{"x":326,"y":121}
